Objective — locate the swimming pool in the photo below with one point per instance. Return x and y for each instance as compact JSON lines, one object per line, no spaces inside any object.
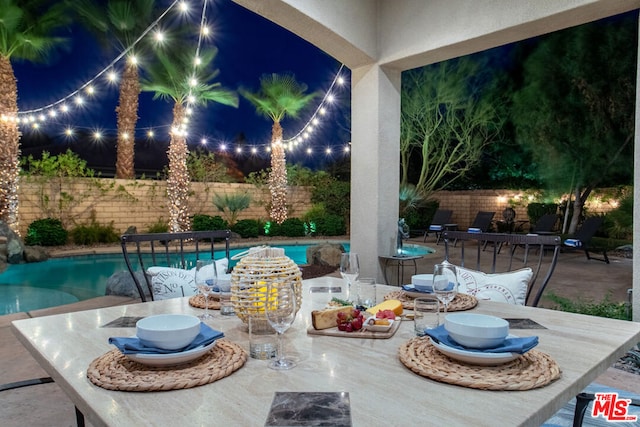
{"x":58,"y":281}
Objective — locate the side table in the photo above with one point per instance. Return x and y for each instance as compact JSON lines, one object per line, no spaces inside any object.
{"x":400,"y":261}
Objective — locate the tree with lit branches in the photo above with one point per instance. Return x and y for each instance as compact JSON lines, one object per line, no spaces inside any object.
{"x":279,"y":96}
{"x":175,"y":76}
{"x":119,"y":23}
{"x":28,"y":31}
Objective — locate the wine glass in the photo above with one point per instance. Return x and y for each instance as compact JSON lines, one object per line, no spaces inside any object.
{"x":445,"y":283}
{"x":349,"y":268}
{"x":206,"y":278}
{"x":280,"y":310}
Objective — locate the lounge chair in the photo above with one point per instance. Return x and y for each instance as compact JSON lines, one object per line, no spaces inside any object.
{"x":582,"y":238}
{"x":480,"y":224}
{"x":545,"y":224}
{"x":440,"y":218}
{"x":167,"y":250}
{"x":503,"y":276}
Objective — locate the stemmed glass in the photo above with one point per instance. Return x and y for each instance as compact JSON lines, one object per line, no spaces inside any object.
{"x":445,"y":283}
{"x":206,"y":278}
{"x":349,"y":268}
{"x":280,"y":310}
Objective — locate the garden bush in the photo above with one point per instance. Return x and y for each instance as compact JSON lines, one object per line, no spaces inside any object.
{"x":536,"y":210}
{"x":46,"y":232}
{"x":247,"y":228}
{"x":202,"y":222}
{"x":94,"y":233}
{"x":331,"y":225}
{"x":292,"y":227}
{"x":604,"y":308}
{"x":159,"y":226}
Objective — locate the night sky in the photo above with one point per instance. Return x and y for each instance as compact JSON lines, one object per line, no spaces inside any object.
{"x":249,"y":46}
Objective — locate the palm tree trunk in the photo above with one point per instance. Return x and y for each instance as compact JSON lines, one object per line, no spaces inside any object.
{"x":9,"y":145}
{"x":278,"y":176}
{"x":127,"y":112}
{"x":178,"y":178}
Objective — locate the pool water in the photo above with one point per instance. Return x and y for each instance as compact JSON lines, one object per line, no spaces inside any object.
{"x":57,"y":281}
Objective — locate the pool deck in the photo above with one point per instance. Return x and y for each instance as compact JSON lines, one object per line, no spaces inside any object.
{"x":46,"y":405}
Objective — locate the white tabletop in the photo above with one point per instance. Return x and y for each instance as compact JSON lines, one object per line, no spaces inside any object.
{"x":382,"y":390}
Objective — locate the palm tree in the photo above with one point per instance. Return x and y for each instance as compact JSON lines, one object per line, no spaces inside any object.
{"x":27,"y":29}
{"x":120,"y":23}
{"x":173,"y":77}
{"x":279,"y":96}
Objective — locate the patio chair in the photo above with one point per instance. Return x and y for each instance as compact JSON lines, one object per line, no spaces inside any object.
{"x":480,"y":224}
{"x":545,"y":224}
{"x":178,"y":250}
{"x":440,"y":218}
{"x":506,"y":278}
{"x":582,"y":238}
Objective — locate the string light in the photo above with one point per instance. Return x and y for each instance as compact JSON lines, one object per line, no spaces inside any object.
{"x":52,"y":112}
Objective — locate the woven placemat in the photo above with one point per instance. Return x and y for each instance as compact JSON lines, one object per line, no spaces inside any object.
{"x":198,"y":301}
{"x":114,"y":371}
{"x":460,"y":303}
{"x":531,"y":370}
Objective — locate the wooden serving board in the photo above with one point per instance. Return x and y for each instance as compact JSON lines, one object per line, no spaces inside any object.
{"x":335,"y":332}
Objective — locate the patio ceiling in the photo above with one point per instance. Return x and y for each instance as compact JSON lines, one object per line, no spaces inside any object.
{"x":377,"y":40}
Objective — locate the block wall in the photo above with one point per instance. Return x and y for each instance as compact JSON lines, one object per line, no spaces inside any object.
{"x":138,"y":203}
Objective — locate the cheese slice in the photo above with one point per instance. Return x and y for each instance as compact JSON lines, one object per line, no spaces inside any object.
{"x":391,"y":304}
{"x":324,"y":319}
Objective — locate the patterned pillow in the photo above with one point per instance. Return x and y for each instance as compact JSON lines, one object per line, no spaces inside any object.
{"x":510,"y":287}
{"x":169,"y":282}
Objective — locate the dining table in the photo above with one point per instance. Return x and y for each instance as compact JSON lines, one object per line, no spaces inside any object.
{"x":365,"y":374}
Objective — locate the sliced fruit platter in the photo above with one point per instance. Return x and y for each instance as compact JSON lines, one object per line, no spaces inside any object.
{"x":380,"y":321}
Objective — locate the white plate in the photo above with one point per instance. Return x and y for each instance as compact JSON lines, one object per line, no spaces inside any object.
{"x":378,"y":328}
{"x":411,"y":291}
{"x":475,"y":357}
{"x":170,"y":358}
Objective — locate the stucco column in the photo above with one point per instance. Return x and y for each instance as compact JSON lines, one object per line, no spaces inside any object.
{"x":636,"y":202}
{"x":375,"y":163}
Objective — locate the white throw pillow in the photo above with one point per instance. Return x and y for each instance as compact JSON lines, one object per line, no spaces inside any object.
{"x":169,"y":282}
{"x":510,"y":287}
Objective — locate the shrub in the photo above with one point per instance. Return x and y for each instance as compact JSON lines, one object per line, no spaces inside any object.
{"x":272,"y":228}
{"x":202,"y":222}
{"x":420,"y":218}
{"x":46,"y":232}
{"x":331,"y":225}
{"x":292,"y":227}
{"x":536,"y":210}
{"x":94,"y":233}
{"x":159,"y":226}
{"x":247,"y":228}
{"x":604,"y":308}
{"x":619,"y":222}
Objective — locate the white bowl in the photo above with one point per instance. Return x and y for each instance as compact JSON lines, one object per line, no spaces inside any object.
{"x":422,"y":282}
{"x":476,"y":330}
{"x":168,"y":331}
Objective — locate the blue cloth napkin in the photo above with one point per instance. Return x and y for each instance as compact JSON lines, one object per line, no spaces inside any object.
{"x":510,"y":345}
{"x":412,"y":288}
{"x":132,"y":345}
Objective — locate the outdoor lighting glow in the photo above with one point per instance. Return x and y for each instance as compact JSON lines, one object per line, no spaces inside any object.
{"x":90,"y":90}
{"x":133,"y":60}
{"x":191,"y":99}
{"x":112,"y":76}
{"x":309,"y":150}
{"x":238,"y":150}
{"x":347,"y":149}
{"x":68,"y":132}
{"x":197,"y":61}
{"x":309,"y":129}
{"x":159,"y":36}
{"x":193,"y":82}
{"x":125,"y":135}
{"x":223,"y":147}
{"x":52,"y":113}
{"x":205,"y":30}
{"x":97,"y":135}
{"x":188,"y":111}
{"x":254,"y":150}
{"x":322,"y":111}
{"x":330,"y":98}
{"x":328,"y":151}
{"x":150,"y":134}
{"x":184,"y":7}
{"x":340,"y":81}
{"x":315,"y":122}
{"x":79,"y":100}
{"x":64,"y":108}
{"x":203,"y":141}
{"x":41,"y":117}
{"x":36,"y":125}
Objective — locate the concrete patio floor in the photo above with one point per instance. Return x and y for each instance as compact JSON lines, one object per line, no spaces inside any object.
{"x":46,"y":405}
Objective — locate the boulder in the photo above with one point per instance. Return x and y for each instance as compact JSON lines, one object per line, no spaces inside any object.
{"x":121,"y":284}
{"x":35,"y":254}
{"x":15,"y":247}
{"x":131,"y":230}
{"x":325,"y":254}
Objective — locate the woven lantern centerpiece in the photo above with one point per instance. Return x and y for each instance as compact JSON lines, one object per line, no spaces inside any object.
{"x":251,"y":277}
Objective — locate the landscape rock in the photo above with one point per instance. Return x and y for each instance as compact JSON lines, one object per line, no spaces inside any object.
{"x":121,"y":284}
{"x":131,"y":230}
{"x":15,"y":247}
{"x":35,"y":254}
{"x":325,"y":254}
